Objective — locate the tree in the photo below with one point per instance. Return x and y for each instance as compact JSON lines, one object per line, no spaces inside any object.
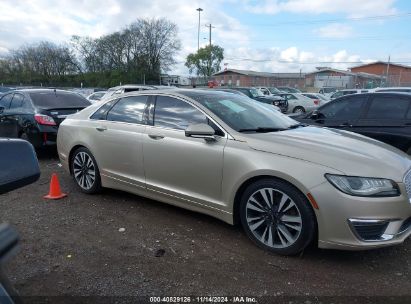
{"x":206,"y":61}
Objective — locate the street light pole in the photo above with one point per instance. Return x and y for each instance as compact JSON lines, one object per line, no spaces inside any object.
{"x":198,"y":37}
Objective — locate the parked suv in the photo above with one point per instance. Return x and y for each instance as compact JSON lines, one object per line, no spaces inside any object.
{"x":35,"y":114}
{"x":382,"y":116}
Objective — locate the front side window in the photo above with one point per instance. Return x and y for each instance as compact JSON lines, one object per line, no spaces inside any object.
{"x":347,"y":108}
{"x":241,"y":113}
{"x":129,"y":109}
{"x":387,"y":108}
{"x":173,"y":113}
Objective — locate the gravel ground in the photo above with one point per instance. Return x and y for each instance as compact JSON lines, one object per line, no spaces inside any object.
{"x":76,"y":247}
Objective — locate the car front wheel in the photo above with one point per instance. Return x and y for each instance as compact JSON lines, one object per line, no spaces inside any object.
{"x":85,"y":171}
{"x":277,"y":217}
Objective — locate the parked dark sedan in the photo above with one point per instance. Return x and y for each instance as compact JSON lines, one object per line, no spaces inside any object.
{"x":256,"y":94}
{"x":35,"y":114}
{"x":382,"y":116}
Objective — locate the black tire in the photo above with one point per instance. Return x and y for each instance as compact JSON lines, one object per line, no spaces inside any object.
{"x":24,"y":136}
{"x":299,"y":109}
{"x":300,"y":209}
{"x":95,"y":186}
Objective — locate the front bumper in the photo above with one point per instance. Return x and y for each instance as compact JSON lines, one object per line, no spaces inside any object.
{"x":355,"y":223}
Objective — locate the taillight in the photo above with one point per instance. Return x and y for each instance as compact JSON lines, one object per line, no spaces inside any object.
{"x":44,"y":120}
{"x":316,"y":102}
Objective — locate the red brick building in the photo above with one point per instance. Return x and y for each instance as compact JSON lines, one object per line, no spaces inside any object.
{"x":246,"y":78}
{"x":329,"y":77}
{"x":398,"y":74}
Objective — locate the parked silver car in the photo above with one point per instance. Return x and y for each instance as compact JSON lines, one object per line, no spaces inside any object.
{"x":298,"y":103}
{"x":230,"y":157}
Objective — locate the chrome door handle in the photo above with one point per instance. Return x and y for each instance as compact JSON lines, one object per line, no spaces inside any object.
{"x":101,"y":129}
{"x":156,"y":136}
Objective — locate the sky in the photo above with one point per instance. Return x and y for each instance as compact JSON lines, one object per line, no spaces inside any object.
{"x":265,"y":35}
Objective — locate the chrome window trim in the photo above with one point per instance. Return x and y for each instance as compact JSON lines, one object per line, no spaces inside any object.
{"x":182,"y":98}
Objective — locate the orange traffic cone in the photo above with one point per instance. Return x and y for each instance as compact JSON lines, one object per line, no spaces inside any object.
{"x":55,"y":191}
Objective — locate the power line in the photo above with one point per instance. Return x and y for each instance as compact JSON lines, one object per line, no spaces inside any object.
{"x":305,"y":22}
{"x":311,"y":62}
{"x":367,"y":38}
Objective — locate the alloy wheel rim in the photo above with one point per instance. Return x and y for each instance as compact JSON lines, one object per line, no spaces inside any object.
{"x":273,"y":218}
{"x":84,"y":170}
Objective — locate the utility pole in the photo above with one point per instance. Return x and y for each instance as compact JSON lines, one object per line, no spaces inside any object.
{"x":209,"y":37}
{"x":388,"y":70}
{"x":209,"y":43}
{"x":199,"y":18}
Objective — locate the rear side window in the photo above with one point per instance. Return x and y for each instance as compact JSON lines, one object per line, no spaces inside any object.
{"x":387,"y":108}
{"x":346,"y":108}
{"x":6,"y":100}
{"x":17,"y":101}
{"x":101,"y":113}
{"x":58,"y":100}
{"x":129,"y":109}
{"x":176,"y":114}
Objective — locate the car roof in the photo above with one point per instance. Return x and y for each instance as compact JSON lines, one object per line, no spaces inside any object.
{"x":131,"y":86}
{"x":43,"y":90}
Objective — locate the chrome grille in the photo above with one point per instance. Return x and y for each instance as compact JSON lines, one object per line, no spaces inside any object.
{"x":407,"y":183}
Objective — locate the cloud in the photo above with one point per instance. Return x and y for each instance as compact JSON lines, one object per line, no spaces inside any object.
{"x":289,"y":59}
{"x":351,"y":7}
{"x":335,"y":30}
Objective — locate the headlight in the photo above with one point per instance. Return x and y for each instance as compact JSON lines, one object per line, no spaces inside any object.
{"x":364,"y":186}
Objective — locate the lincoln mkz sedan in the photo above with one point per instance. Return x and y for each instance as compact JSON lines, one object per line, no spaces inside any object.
{"x":221,"y":154}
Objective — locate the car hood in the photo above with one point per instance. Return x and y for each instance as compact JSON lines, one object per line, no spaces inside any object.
{"x":349,"y":153}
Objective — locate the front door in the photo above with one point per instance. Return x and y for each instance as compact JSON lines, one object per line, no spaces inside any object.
{"x":179,"y":166}
{"x":342,"y":113}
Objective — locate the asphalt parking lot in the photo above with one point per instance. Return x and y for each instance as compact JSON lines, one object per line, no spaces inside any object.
{"x":75,"y":246}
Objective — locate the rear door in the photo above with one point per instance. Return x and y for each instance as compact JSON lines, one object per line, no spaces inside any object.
{"x":117,"y":129}
{"x":6,"y":129}
{"x":342,"y":113}
{"x":388,"y":119}
{"x":15,"y":117}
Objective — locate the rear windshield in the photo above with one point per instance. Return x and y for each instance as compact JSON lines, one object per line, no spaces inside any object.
{"x":58,"y":100}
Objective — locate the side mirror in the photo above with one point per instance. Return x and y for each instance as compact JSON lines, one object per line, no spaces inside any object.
{"x":200,"y":131}
{"x":18,"y":163}
{"x":1,"y":110}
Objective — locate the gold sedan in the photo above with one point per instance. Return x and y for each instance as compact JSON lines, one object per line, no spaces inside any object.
{"x":233,"y":158}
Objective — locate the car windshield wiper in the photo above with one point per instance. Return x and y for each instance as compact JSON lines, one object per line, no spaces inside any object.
{"x":262,"y":129}
{"x":296,"y":126}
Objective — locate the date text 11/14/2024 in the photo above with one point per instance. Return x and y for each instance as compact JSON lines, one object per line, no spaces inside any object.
{"x":203,"y":299}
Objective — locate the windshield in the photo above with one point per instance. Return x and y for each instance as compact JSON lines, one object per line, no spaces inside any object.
{"x":242,"y":113}
{"x":329,"y":90}
{"x":256,"y":93}
{"x":274,"y":91}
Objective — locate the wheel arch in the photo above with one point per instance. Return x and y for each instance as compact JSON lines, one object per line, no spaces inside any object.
{"x":74,"y":149}
{"x":253,"y":179}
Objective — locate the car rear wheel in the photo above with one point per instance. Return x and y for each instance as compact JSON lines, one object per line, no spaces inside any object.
{"x":85,"y":171}
{"x":299,"y":110}
{"x":277,"y":217}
